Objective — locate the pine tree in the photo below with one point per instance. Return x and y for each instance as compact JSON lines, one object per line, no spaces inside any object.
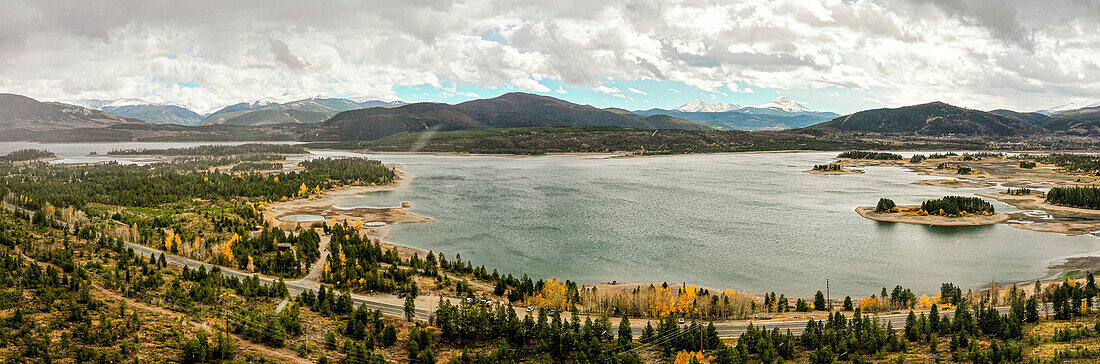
{"x":819,"y":301}
{"x":625,"y":335}
{"x":410,"y":308}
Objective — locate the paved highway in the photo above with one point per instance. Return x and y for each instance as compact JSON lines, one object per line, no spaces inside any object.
{"x":725,"y":329}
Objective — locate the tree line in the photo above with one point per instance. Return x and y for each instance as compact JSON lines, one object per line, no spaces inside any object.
{"x":858,"y":154}
{"x":1075,"y":196}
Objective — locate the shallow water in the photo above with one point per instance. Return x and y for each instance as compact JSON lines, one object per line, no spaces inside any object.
{"x":750,"y":222}
{"x":302,"y":218}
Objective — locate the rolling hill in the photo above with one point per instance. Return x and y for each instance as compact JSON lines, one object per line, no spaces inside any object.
{"x":506,"y":111}
{"x":932,"y":119}
{"x":22,"y":117}
{"x":1032,"y":118}
{"x":1079,"y":122}
{"x":307,"y":111}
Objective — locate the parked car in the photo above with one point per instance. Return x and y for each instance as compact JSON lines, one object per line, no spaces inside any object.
{"x":680,"y":320}
{"x":402,"y":294}
{"x":530,"y":308}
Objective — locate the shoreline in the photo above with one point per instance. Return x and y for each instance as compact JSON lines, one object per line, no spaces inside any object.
{"x":384,"y":233}
{"x":834,"y":173}
{"x":325,"y":205}
{"x":1069,"y":221}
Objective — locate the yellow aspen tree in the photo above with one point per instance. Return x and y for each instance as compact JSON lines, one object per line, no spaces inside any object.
{"x":552,"y":295}
{"x":168,"y":239}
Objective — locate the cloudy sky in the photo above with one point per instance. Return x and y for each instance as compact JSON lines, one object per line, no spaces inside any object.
{"x":838,"y":55}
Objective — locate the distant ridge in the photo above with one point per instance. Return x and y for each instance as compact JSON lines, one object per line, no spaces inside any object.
{"x":506,"y":111}
{"x":305,"y":111}
{"x":931,"y":119}
{"x":22,"y":117}
{"x":779,"y":114}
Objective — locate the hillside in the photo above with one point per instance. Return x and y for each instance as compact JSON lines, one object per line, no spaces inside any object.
{"x":22,"y":117}
{"x":307,"y":111}
{"x":506,"y":111}
{"x":932,"y":119}
{"x":1079,"y":122}
{"x":1032,"y":118}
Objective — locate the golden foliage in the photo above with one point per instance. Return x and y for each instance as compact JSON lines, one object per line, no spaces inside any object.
{"x":870,"y":304}
{"x":685,"y":357}
{"x":552,"y":295}
{"x":169,"y":239}
{"x":926,"y":301}
{"x":226,"y":249}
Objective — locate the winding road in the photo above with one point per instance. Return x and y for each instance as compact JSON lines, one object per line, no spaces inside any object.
{"x":726,"y":329}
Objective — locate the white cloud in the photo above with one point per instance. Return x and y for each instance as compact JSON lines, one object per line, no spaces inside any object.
{"x":673,"y":90}
{"x":736,"y":89}
{"x":606,"y":90}
{"x":1014,"y":53}
{"x":637,"y":91}
{"x":530,"y":85}
{"x":561,"y":91}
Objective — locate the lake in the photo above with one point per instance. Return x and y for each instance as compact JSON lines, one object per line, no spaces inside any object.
{"x":750,"y":222}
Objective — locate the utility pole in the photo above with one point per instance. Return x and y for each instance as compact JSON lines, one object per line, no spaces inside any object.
{"x":828,"y":296}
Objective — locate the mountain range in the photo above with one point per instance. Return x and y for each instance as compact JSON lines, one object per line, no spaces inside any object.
{"x":510,"y":110}
{"x":931,"y":119}
{"x":323,"y":119}
{"x":307,"y":111}
{"x":779,"y":114}
{"x":22,"y":118}
{"x":257,"y":112}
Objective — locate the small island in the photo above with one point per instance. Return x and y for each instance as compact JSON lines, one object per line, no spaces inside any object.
{"x":947,"y":211}
{"x":1073,"y":210}
{"x":954,"y":182}
{"x":832,"y":169}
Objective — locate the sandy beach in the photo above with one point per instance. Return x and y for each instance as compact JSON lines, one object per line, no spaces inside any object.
{"x":325,"y":206}
{"x":958,"y":183}
{"x":834,"y":173}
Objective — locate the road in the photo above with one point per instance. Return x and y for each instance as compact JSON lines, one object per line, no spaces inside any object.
{"x":310,"y":282}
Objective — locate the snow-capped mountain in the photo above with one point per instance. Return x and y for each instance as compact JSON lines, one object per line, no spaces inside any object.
{"x":698,"y":105}
{"x":784,"y":104}
{"x":781,"y":103}
{"x":303,"y":111}
{"x":368,"y":103}
{"x":156,"y":113}
{"x":1068,"y":107}
{"x":778,"y":114}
